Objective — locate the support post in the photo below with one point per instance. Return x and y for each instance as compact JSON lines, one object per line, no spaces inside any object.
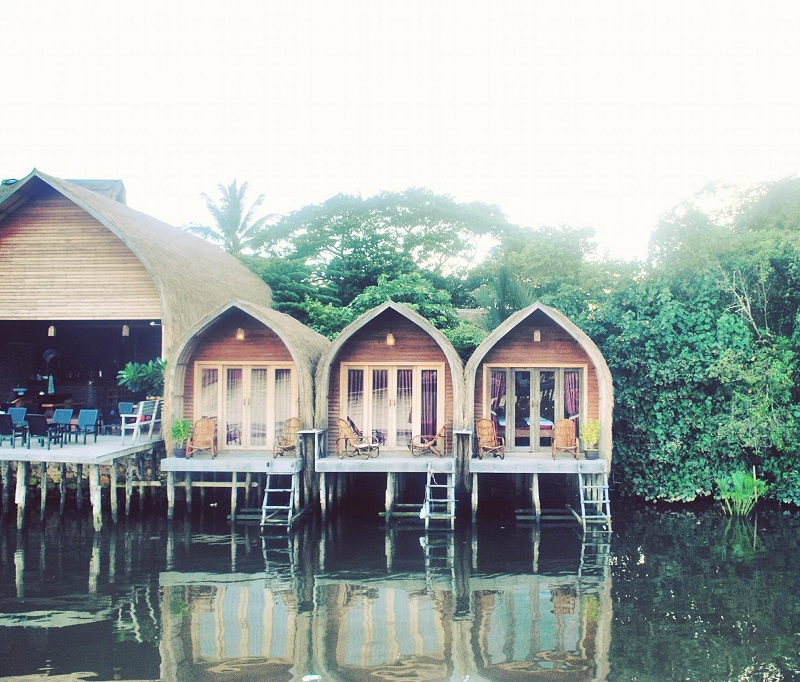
{"x":323,"y":494}
{"x":390,"y":493}
{"x":43,"y":490}
{"x":188,"y":480}
{"x":21,"y":496}
{"x":112,"y":490}
{"x":234,"y":483}
{"x":170,"y":495}
{"x":95,"y":496}
{"x":62,"y":487}
{"x":129,"y":468}
{"x":537,"y":504}
{"x":474,"y":497}
{"x":79,"y":485}
{"x":5,"y":473}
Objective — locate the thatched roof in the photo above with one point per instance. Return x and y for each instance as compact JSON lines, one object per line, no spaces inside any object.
{"x":192,"y":276}
{"x":329,"y":357}
{"x":604,"y":379}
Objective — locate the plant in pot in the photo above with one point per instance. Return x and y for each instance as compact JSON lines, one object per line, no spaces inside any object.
{"x":180,"y":431}
{"x":590,"y":438}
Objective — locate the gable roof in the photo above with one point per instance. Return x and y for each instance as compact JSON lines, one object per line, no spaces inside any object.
{"x":191,"y":275}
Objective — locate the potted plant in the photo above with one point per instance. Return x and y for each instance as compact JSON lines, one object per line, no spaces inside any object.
{"x":180,"y":431}
{"x":590,"y":438}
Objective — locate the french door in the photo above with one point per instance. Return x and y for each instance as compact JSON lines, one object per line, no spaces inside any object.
{"x":393,"y":403}
{"x":249,"y":402}
{"x":525,"y":403}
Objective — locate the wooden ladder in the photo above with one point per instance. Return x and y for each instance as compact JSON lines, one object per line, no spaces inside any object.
{"x":278,"y":505}
{"x":595,"y":505}
{"x":440,"y":499}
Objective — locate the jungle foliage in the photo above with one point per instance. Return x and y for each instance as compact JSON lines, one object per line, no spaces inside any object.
{"x":702,"y":338}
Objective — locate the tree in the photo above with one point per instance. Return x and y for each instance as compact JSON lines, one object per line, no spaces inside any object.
{"x":235,"y":226}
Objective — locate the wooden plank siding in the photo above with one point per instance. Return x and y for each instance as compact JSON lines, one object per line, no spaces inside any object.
{"x":556,"y":349}
{"x":59,"y":263}
{"x":219,"y":344}
{"x":368,"y":345}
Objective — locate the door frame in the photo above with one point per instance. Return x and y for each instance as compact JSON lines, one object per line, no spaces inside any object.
{"x":222,"y":368}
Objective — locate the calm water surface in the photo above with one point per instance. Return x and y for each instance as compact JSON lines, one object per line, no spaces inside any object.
{"x":667,"y":596}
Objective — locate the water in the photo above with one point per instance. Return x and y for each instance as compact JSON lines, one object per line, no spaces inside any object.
{"x":668,"y":596}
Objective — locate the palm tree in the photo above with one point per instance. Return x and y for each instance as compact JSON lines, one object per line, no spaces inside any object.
{"x":234,"y":227}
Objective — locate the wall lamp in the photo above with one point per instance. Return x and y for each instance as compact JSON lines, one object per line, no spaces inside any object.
{"x":239,"y":334}
{"x":51,"y":330}
{"x":390,"y":339}
{"x":126,"y":330}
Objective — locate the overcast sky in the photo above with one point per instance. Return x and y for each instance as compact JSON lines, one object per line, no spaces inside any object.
{"x":585,"y":113}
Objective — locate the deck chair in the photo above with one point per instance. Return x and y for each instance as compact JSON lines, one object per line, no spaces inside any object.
{"x":39,"y":429}
{"x":488,"y":440}
{"x":18,"y":414}
{"x":87,"y":423}
{"x":62,"y":420}
{"x":203,"y":438}
{"x":350,"y":444}
{"x":288,"y":439}
{"x":419,"y":445}
{"x":564,"y":438}
{"x":9,"y":432}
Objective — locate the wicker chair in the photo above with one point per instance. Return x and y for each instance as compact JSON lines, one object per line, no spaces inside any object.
{"x":488,"y":440}
{"x":349,"y":444}
{"x":288,"y":440}
{"x":203,"y":438}
{"x":564,"y":438}
{"x":421,"y":444}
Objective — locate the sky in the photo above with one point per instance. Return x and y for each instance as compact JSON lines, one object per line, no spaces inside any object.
{"x":565,"y":112}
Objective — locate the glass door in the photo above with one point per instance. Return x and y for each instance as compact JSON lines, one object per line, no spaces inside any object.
{"x":250,"y":403}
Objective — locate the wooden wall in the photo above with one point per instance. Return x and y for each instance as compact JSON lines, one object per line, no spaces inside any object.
{"x":412,"y":346}
{"x":218,"y":343}
{"x":556,"y":349}
{"x":60,"y":263}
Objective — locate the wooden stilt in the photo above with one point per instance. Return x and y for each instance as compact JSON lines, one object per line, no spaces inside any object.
{"x":62,"y":488}
{"x":391,"y":480}
{"x":234,"y":483}
{"x":474,"y":496}
{"x":96,"y":496}
{"x":537,"y":504}
{"x":112,"y":491}
{"x":129,"y":469}
{"x":248,"y":481}
{"x":170,"y":495}
{"x":79,"y":485}
{"x":21,"y":496}
{"x":323,"y":494}
{"x":188,"y":481}
{"x":5,"y":471}
{"x":43,"y":491}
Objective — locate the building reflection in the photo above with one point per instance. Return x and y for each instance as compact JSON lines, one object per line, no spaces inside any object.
{"x":408,"y":605}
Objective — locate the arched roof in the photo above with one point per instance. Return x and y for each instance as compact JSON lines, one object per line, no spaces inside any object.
{"x":192,"y":276}
{"x":605,"y":382}
{"x":305,"y":346}
{"x":329,"y":357}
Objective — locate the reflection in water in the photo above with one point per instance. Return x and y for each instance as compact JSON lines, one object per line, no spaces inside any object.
{"x":694,"y":598}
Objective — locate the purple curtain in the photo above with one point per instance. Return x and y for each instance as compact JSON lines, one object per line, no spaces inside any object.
{"x":429,"y":385}
{"x":571,"y":394}
{"x":498,"y":394}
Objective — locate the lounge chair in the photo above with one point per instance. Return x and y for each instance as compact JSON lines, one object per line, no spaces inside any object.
{"x":288,"y":439}
{"x":488,"y":440}
{"x":62,"y":419}
{"x":421,"y":444}
{"x":203,"y":438}
{"x":350,"y":444}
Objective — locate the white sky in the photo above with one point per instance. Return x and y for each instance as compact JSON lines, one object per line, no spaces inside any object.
{"x":577,"y":112}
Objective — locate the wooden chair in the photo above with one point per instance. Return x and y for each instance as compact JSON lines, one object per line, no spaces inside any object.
{"x":349,"y":444}
{"x":87,"y":423}
{"x":421,"y":444}
{"x":564,"y":438}
{"x":288,"y":439}
{"x":488,"y":440}
{"x":142,"y":421}
{"x":203,"y":438}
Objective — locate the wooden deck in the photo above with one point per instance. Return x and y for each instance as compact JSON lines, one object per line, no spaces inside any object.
{"x":397,"y":461}
{"x":534,"y":463}
{"x":107,"y":451}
